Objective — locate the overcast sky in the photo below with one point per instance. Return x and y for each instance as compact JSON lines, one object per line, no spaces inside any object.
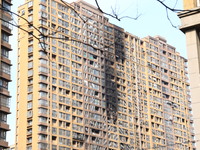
{"x":153,"y":21}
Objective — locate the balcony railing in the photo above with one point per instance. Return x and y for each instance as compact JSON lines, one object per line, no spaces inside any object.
{"x":6,"y":25}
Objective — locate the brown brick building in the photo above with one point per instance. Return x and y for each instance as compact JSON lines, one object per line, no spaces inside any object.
{"x":5,"y":64}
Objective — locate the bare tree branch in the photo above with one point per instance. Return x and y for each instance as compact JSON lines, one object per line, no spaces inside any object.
{"x":74,"y":10}
{"x":168,"y":18}
{"x":173,"y":9}
{"x":128,"y":17}
{"x":19,"y":28}
{"x":5,"y":9}
{"x":30,"y":24}
{"x":114,"y":14}
{"x":43,"y":36}
{"x":175,"y":4}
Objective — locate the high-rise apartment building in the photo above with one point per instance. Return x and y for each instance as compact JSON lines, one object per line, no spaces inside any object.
{"x":86,"y":84}
{"x":5,"y":64}
{"x":190,"y":25}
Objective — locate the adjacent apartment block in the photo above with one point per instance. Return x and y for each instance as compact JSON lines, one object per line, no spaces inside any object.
{"x":190,"y":25}
{"x":86,"y":84}
{"x":5,"y":64}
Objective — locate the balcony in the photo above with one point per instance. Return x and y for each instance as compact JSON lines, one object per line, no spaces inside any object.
{"x":3,"y":143}
{"x":5,"y":44}
{"x":8,"y":1}
{"x":6,"y":14}
{"x":4,"y":91}
{"x":4,"y":126}
{"x":5,"y":76}
{"x":4,"y":108}
{"x":6,"y":60}
{"x":6,"y":27}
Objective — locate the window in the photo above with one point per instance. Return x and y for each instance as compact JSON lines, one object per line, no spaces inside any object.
{"x":6,"y":23}
{"x":53,"y":49}
{"x":42,"y":111}
{"x":42,"y":7}
{"x":30,"y":72}
{"x":64,"y":84}
{"x":4,"y":52}
{"x":54,"y":73}
{"x":30,"y":96}
{"x":3,"y":135}
{"x":43,"y":102}
{"x":5,"y":37}
{"x":30,"y":18}
{"x":63,"y":15}
{"x":30,"y":42}
{"x":30,"y":11}
{"x":30,"y":57}
{"x":43,"y":119}
{"x":4,"y":100}
{"x":43,"y":86}
{"x":53,"y":11}
{"x":30,"y":49}
{"x":64,"y":132}
{"x":43,"y":69}
{"x":64,"y":116}
{"x":30,"y":81}
{"x":54,"y":113}
{"x":42,"y":137}
{"x":53,"y":19}
{"x":63,"y":23}
{"x":29,"y":148}
{"x":29,"y":113}
{"x":54,"y":65}
{"x":43,"y":61}
{"x":42,"y":146}
{"x":43,"y":30}
{"x":42,"y":128}
{"x":53,"y":4}
{"x":62,"y":7}
{"x":63,"y":30}
{"x":54,"y":81}
{"x":5,"y":68}
{"x":3,"y":117}
{"x":3,"y":84}
{"x":65,"y":100}
{"x":54,"y":130}
{"x":29,"y":105}
{"x":54,"y":97}
{"x":30,"y":64}
{"x":43,"y":22}
{"x":43,"y":77}
{"x":43,"y":94}
{"x":54,"y":105}
{"x":6,"y":5}
{"x":30,"y":4}
{"x":43,"y":1}
{"x":53,"y":41}
{"x":64,"y":76}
